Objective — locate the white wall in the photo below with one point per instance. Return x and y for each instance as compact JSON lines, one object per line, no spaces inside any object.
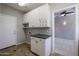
{"x":56,"y":6}
{"x":13,"y":12}
{"x":37,"y":31}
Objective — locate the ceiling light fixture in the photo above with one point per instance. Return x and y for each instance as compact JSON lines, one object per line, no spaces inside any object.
{"x":63,"y":15}
{"x":21,"y":4}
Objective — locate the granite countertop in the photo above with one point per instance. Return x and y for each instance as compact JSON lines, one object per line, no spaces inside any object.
{"x":43,"y":36}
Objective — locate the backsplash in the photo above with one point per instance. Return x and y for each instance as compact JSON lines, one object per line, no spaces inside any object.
{"x":40,"y":31}
{"x":36,"y":31}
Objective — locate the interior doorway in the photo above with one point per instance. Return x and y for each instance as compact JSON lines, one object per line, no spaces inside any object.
{"x":65,"y":31}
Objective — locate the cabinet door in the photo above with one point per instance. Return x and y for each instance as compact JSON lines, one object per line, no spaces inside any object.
{"x":33,"y":18}
{"x":36,"y":17}
{"x":44,"y":15}
{"x":30,"y":19}
{"x":25,"y":18}
{"x":37,"y":46}
{"x":41,"y":47}
{"x":33,"y":45}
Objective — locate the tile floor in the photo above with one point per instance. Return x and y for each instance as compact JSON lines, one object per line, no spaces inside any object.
{"x":19,"y":50}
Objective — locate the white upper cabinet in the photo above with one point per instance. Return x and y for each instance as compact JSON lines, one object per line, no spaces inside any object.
{"x":35,"y":18}
{"x":44,"y":16}
{"x":25,"y":18}
{"x":39,"y":17}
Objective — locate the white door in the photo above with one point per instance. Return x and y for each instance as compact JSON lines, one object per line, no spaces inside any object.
{"x":8,"y":34}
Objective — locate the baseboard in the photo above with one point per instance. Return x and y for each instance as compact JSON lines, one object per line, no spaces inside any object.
{"x":56,"y":54}
{"x":28,"y":42}
{"x":21,"y":43}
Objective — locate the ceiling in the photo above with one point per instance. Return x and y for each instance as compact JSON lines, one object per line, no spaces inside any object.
{"x":26,"y":8}
{"x":29,"y":6}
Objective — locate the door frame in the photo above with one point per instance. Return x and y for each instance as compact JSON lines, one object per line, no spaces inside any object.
{"x":76,"y":27}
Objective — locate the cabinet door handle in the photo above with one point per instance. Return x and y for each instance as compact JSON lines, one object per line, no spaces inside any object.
{"x":36,"y":41}
{"x":40,"y":40}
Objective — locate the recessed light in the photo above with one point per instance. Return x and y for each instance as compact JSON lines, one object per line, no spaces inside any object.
{"x":64,"y":23}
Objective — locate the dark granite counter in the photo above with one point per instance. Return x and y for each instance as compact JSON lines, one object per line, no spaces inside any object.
{"x":43,"y":36}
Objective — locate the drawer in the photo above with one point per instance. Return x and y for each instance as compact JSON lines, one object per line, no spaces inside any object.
{"x":32,"y":37}
{"x":38,"y":39}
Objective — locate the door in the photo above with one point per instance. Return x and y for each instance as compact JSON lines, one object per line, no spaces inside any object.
{"x":8,"y":34}
{"x":66,"y":32}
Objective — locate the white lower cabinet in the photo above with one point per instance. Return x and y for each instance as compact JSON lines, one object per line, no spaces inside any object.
{"x":40,"y":46}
